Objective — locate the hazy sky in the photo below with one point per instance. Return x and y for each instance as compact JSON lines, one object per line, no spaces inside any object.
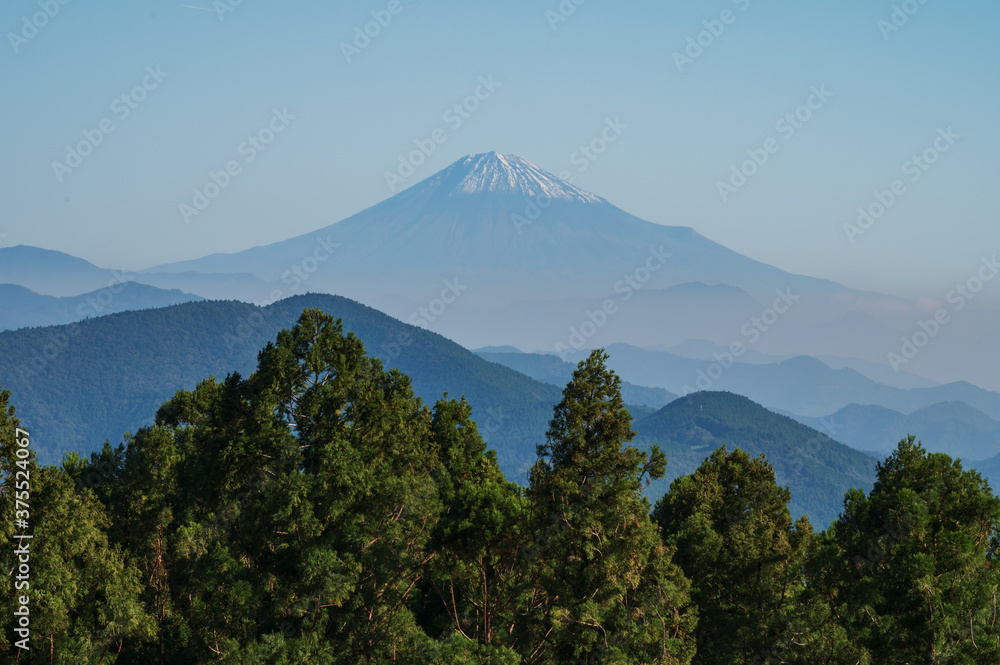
{"x":220,"y":76}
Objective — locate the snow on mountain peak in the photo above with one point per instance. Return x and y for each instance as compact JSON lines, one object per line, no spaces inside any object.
{"x":507,"y":174}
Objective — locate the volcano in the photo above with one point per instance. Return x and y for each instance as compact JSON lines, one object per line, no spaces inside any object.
{"x":495,"y":250}
{"x":509,"y":230}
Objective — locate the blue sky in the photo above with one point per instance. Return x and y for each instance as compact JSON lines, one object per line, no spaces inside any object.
{"x":224,"y":74}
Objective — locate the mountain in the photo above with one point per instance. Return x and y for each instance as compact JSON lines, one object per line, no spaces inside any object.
{"x":52,"y":273}
{"x":506,"y":227}
{"x":22,"y":308}
{"x":553,"y":369}
{"x":494,"y":250}
{"x":75,"y":386}
{"x":801,"y":385}
{"x":879,"y":372}
{"x":876,"y":371}
{"x":954,"y":428}
{"x":817,"y":469}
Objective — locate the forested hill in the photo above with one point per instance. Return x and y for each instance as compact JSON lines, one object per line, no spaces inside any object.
{"x":817,"y":469}
{"x":317,"y":512}
{"x":80,"y":384}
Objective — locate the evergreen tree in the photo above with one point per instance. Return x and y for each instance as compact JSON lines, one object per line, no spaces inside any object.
{"x":83,"y":600}
{"x":609,"y":590}
{"x":476,"y":582}
{"x":912,"y":567}
{"x":733,"y":535}
{"x":286,"y":516}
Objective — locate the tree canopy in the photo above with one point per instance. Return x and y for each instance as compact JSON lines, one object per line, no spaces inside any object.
{"x":317,"y":511}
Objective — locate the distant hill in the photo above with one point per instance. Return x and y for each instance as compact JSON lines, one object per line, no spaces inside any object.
{"x":497,"y":349}
{"x":802,"y":385}
{"x":22,"y":308}
{"x":701,"y":349}
{"x":954,"y":428}
{"x":77,"y":385}
{"x":989,"y":469}
{"x":817,"y":469}
{"x":51,"y":273}
{"x":553,"y":369}
{"x":57,"y":274}
{"x":216,"y":286}
{"x":879,"y":372}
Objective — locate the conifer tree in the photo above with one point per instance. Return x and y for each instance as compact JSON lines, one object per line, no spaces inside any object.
{"x":912,"y":566}
{"x":294,"y":507}
{"x":477,"y":582}
{"x":611,"y":593}
{"x":83,"y":599}
{"x":733,"y":535}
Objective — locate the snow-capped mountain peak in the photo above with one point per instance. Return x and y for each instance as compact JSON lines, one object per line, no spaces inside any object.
{"x":494,"y":173}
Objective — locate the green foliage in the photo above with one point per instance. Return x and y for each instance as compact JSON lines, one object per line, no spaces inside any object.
{"x":299,"y":500}
{"x":912,"y":566}
{"x":817,"y":469}
{"x":83,"y":599}
{"x":731,"y":528}
{"x":316,"y":511}
{"x":611,"y":592}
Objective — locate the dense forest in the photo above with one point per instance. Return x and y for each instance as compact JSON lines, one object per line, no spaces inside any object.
{"x":141,"y":359}
{"x":316,"y":511}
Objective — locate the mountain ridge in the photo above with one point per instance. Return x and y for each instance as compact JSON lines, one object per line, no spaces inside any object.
{"x":430,"y":220}
{"x":817,"y":469}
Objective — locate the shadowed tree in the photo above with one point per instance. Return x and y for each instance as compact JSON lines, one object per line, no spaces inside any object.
{"x":83,"y":599}
{"x":477,"y":582}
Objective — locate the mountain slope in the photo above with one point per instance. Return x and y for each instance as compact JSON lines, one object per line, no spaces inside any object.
{"x":21,"y":308}
{"x":876,"y":371}
{"x":802,"y":385}
{"x":108,"y":375}
{"x":552,"y":369}
{"x":817,"y":469}
{"x":953,"y":428}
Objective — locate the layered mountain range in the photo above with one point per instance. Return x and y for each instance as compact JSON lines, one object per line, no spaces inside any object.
{"x":494,"y":250}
